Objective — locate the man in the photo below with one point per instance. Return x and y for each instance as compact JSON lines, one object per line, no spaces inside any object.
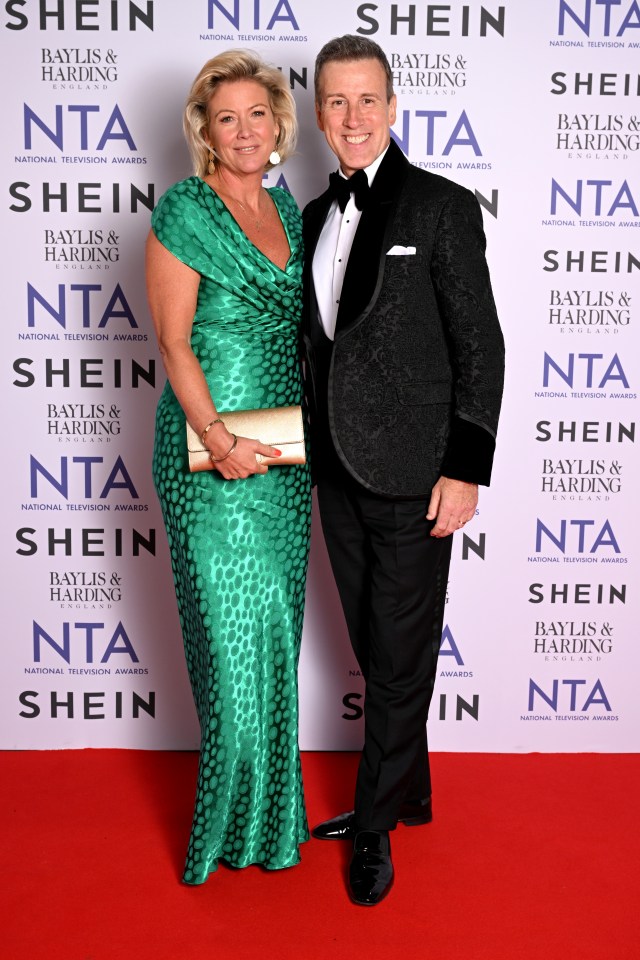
{"x":405,"y":357}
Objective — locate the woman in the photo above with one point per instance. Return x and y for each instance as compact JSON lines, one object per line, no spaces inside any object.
{"x":224,"y":264}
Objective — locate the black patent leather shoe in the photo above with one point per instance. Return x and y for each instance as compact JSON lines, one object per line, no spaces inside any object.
{"x":371,"y":869}
{"x":342,"y":827}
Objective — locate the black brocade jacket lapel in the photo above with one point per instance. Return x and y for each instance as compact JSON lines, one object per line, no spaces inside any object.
{"x":365,"y":269}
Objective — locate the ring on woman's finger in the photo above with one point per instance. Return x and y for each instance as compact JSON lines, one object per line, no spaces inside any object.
{"x":259,"y":458}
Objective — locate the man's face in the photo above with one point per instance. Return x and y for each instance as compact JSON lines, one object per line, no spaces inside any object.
{"x":353,"y":112}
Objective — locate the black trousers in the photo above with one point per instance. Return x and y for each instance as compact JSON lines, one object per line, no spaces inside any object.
{"x":392,"y":580}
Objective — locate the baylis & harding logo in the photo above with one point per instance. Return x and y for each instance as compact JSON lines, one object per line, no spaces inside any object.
{"x":589,"y":311}
{"x":572,"y":641}
{"x":84,"y":589}
{"x":579,"y":480}
{"x":83,"y":422}
{"x":78,"y":68}
{"x":595,"y":136}
{"x":436,"y":74}
{"x":81,"y":249}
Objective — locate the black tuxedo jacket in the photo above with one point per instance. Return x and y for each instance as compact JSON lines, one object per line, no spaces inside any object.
{"x":411,"y":387}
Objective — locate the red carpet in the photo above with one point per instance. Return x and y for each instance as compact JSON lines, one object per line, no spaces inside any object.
{"x":531,"y":857}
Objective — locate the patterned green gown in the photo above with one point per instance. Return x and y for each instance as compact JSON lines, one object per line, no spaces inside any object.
{"x":239,"y":548}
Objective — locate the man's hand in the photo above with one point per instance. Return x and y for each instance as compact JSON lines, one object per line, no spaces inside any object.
{"x":453,"y":503}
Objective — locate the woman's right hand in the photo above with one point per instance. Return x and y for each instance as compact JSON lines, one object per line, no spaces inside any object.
{"x":243,"y":462}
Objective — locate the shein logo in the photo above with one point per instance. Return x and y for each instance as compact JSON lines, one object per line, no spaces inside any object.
{"x":82,"y":15}
{"x":87,"y":197}
{"x":88,"y":541}
{"x":596,"y":84}
{"x":88,"y":373}
{"x":437,"y":22}
{"x":91,"y":705}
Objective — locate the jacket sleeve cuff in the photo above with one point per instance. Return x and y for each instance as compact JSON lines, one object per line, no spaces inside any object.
{"x":469,"y":454}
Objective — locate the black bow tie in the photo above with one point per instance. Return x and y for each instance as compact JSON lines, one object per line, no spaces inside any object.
{"x":341,"y":189}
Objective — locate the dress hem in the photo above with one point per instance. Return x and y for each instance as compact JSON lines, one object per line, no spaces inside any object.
{"x":242,"y":866}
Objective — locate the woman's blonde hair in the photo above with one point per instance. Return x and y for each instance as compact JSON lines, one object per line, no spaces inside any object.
{"x":228,"y":67}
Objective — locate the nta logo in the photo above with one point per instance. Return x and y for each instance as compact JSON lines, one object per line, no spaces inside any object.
{"x":610,"y":17}
{"x":593,"y":370}
{"x":265,"y":15}
{"x":564,"y":696}
{"x":115,"y":128}
{"x":597,"y":198}
{"x":576,"y":536}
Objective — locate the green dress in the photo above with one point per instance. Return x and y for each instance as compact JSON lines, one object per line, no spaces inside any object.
{"x":239,"y":548}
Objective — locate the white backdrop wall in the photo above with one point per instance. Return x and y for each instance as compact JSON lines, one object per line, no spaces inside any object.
{"x":533,"y":104}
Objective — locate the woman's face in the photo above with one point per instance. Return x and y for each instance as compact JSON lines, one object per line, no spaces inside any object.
{"x":242,"y":129}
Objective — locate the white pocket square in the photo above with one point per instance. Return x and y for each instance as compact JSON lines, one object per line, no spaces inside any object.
{"x":401,"y":252}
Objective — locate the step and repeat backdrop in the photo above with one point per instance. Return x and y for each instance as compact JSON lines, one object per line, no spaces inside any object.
{"x":532,"y":104}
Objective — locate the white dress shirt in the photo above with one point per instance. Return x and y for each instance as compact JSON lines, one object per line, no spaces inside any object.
{"x":332,"y":254}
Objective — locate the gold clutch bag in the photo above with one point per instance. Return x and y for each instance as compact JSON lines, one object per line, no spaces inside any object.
{"x":279,"y":427}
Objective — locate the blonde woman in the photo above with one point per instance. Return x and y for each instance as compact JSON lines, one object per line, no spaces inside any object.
{"x":224,"y":268}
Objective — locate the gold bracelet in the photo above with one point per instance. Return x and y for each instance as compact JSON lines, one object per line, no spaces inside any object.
{"x":207,"y":428}
{"x":227,"y":454}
